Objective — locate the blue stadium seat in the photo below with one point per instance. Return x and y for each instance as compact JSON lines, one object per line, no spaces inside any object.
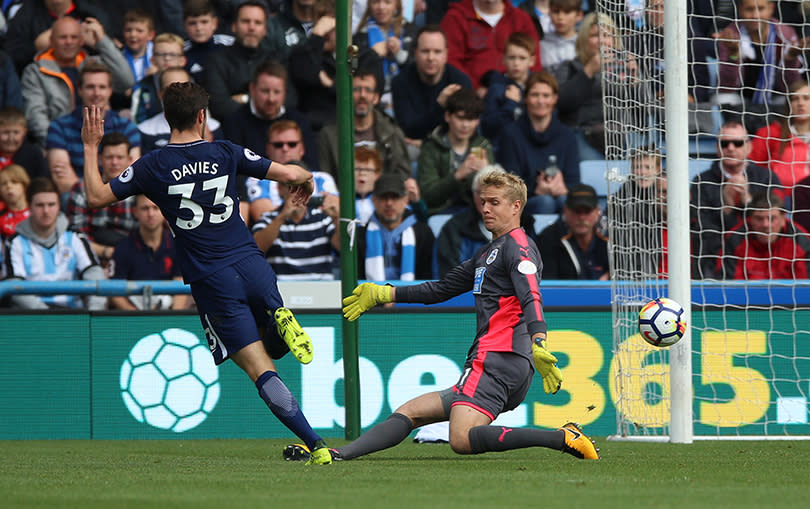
{"x":541,"y":221}
{"x":592,"y":172}
{"x":436,"y":222}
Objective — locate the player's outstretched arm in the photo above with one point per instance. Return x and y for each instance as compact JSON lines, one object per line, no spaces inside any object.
{"x":99,"y":194}
{"x":365,"y":297}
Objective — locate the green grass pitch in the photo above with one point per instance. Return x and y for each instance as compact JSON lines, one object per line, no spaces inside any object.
{"x":251,"y":473}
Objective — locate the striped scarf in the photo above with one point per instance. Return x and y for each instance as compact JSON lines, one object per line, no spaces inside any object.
{"x":381,"y":246}
{"x":766,"y":79}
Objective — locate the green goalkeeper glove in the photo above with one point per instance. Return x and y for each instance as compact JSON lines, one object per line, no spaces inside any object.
{"x":365,"y":297}
{"x":546,"y":365}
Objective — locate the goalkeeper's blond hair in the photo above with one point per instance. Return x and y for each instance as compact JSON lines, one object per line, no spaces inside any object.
{"x":495,"y":176}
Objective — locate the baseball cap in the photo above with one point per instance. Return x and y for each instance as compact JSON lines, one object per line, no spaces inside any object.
{"x":389,"y":183}
{"x":581,"y":195}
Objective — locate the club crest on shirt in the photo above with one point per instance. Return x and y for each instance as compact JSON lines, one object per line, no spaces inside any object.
{"x":126,"y":175}
{"x":492,"y":256}
{"x":251,"y":155}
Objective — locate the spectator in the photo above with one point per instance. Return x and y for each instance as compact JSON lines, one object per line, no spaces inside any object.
{"x":312,"y":69}
{"x":452,"y":156}
{"x":15,"y":147}
{"x":581,"y":105}
{"x":14,"y":182}
{"x":155,"y":131}
{"x":560,"y":45}
{"x":168,"y":52}
{"x":393,"y":244}
{"x":10,"y":93}
{"x":147,"y":254}
{"x":285,"y":144}
{"x":758,"y":57}
{"x":64,"y":142}
{"x":421,"y":89}
{"x":139,"y":31}
{"x":248,"y":124}
{"x":30,"y":29}
{"x":540,"y":13}
{"x":504,"y":98}
{"x":291,"y":27}
{"x":767,"y":245}
{"x":476,"y":34}
{"x":48,"y":83}
{"x":300,"y":240}
{"x":784,"y":146}
{"x":720,"y":195}
{"x":371,"y":127}
{"x":540,"y":148}
{"x":574,"y":246}
{"x":43,"y":249}
{"x":201,"y":22}
{"x":367,"y":169}
{"x":640,"y":206}
{"x":384,"y":30}
{"x":463,"y":234}
{"x":104,"y":227}
{"x":228,"y":71}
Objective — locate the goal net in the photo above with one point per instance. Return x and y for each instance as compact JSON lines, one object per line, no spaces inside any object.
{"x":750,"y":318}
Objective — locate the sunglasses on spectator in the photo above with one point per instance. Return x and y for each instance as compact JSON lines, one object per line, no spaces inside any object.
{"x":280,"y":144}
{"x":736,"y":143}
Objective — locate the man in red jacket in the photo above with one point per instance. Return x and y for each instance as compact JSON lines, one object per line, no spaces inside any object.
{"x":767,"y":245}
{"x":476,"y":35}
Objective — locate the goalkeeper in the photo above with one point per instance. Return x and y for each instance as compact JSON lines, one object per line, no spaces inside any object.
{"x":504,"y":277}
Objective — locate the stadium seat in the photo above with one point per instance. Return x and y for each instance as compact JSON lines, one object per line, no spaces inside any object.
{"x":541,"y":221}
{"x":436,"y":222}
{"x":596,"y":174}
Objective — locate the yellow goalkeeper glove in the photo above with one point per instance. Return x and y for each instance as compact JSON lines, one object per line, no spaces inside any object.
{"x":546,"y":365}
{"x":365,"y":297}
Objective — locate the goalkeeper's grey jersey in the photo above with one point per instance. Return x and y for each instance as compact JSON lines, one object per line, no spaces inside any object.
{"x":504,"y":277}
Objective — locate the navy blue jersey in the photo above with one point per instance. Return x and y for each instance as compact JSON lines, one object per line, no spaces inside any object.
{"x":194,"y":185}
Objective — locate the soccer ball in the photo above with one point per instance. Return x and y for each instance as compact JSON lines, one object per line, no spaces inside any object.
{"x":661,"y":322}
{"x":169,"y":380}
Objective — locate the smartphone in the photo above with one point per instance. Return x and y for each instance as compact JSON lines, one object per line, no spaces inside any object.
{"x":315,"y":201}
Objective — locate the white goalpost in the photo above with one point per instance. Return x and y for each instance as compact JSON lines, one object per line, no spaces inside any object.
{"x":742,"y":370}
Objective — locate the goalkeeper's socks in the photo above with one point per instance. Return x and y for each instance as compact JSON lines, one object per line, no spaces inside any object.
{"x":502,"y":438}
{"x":285,"y":407}
{"x":386,"y":434}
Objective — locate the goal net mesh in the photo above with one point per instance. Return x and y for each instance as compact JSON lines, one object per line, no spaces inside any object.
{"x":750,"y":320}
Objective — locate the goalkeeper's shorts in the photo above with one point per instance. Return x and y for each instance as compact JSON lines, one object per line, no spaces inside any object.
{"x":494,"y":385}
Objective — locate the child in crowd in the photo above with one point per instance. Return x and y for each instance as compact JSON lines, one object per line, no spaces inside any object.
{"x":502,"y":103}
{"x":14,"y":182}
{"x":367,"y":169}
{"x":453,"y":155}
{"x":15,"y":148}
{"x":168,"y":52}
{"x":560,"y":45}
{"x":201,"y":22}
{"x":139,"y":30}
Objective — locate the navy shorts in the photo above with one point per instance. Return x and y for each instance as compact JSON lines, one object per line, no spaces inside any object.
{"x":234,"y":303}
{"x":497,"y":383}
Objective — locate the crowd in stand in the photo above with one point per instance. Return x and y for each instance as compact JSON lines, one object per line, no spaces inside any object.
{"x":442,"y":90}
